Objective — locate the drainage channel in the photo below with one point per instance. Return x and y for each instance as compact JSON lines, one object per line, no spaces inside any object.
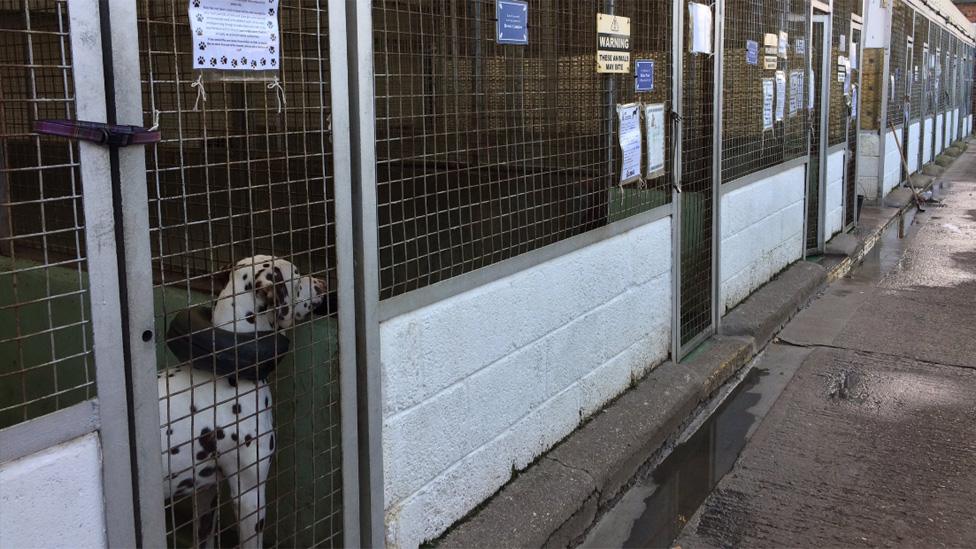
{"x":654,"y":510}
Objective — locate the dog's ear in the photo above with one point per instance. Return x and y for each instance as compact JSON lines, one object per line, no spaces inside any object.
{"x":220,"y":278}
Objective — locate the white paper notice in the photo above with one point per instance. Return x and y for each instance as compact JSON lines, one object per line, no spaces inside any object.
{"x":235,"y":34}
{"x":783,"y":48}
{"x":780,"y":95}
{"x":810,"y":86}
{"x":628,"y":117}
{"x":768,"y":90}
{"x":654,"y":122}
{"x":796,"y":78}
{"x":701,"y":27}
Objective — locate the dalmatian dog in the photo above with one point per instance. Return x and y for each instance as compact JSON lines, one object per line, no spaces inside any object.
{"x":220,"y":428}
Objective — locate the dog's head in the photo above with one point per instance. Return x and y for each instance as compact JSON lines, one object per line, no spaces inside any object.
{"x":269,"y":293}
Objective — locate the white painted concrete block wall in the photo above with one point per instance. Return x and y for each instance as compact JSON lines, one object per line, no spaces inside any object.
{"x":54,"y":498}
{"x":955,"y":125}
{"x":929,"y":136}
{"x":914,"y":134}
{"x":761,"y":233}
{"x":834,"y":205}
{"x":490,"y":379}
{"x":939,"y":130}
{"x":892,"y":164}
{"x":868,"y":164}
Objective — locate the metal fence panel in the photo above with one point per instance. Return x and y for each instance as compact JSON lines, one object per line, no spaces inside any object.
{"x":45,"y":321}
{"x":241,"y":174}
{"x":486,"y":151}
{"x":746,"y":147}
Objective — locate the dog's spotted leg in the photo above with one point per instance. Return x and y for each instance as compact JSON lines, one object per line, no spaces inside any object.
{"x":205,"y":515}
{"x":247,"y":492}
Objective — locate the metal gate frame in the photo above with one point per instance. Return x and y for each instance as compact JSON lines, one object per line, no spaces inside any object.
{"x":823,"y":122}
{"x":678,"y":44}
{"x":852,"y":150}
{"x":108,"y":89}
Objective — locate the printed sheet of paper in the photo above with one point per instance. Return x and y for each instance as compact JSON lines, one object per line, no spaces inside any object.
{"x":796,"y":83}
{"x":780,"y":95}
{"x":654,"y":124}
{"x":768,"y":91}
{"x":701,"y":27}
{"x":770,"y":51}
{"x":783,"y":47}
{"x":810,"y":91}
{"x":628,"y":118}
{"x":239,"y":35}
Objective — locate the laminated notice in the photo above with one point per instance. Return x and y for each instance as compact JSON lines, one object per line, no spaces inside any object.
{"x":770,"y":51}
{"x":628,"y":118}
{"x":235,"y":35}
{"x":701,"y":27}
{"x":796,"y":93}
{"x":780,"y":95}
{"x":613,"y":44}
{"x":784,"y":45}
{"x":654,"y":124}
{"x":768,"y":91}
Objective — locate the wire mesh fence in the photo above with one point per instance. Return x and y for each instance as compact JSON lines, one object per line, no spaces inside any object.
{"x":838,"y":80}
{"x":818,"y":36}
{"x":901,"y":26}
{"x":241,"y":202}
{"x":921,"y":38}
{"x":746,"y":146}
{"x":486,"y":151}
{"x":697,"y":203}
{"x":46,"y":361}
{"x":850,"y":180}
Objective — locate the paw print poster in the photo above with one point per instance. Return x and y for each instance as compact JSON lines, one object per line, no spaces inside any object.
{"x":235,"y":34}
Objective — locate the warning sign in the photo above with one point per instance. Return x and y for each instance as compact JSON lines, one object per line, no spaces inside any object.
{"x":613,"y":44}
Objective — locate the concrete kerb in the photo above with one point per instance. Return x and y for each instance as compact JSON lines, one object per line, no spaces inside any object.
{"x":555,"y":501}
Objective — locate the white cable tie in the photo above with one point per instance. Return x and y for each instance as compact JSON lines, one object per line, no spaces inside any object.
{"x":279,"y":92}
{"x":201,"y":92}
{"x":155,"y":125}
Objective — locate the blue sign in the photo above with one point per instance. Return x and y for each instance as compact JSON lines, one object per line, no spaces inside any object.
{"x":644,"y":75}
{"x":752,"y":52}
{"x":512,"y":22}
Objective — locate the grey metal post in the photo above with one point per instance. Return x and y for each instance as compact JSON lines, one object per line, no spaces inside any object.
{"x":103,"y":270}
{"x":131,"y":204}
{"x":342,"y":167}
{"x":362,"y":131}
{"x":677,"y":56}
{"x":718,"y":51}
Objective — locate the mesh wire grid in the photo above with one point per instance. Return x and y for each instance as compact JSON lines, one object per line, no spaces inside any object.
{"x":231,"y":179}
{"x":46,"y":360}
{"x":817,"y":38}
{"x":840,"y":46}
{"x":698,"y":79}
{"x":921,"y":36}
{"x":943,"y":94}
{"x":850,"y":181}
{"x":487,"y":151}
{"x":901,"y":25}
{"x":746,"y":148}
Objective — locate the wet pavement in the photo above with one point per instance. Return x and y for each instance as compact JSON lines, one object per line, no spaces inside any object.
{"x":857,"y":427}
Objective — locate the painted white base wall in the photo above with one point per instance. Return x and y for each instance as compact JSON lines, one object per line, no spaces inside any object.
{"x":868,"y":147}
{"x":486,"y":381}
{"x":939,"y":134}
{"x":969,"y":125}
{"x":892,"y":164}
{"x":54,"y":498}
{"x":955,"y":125}
{"x":929,"y":136}
{"x":761,"y":233}
{"x":834,"y":205}
{"x":911,"y":151}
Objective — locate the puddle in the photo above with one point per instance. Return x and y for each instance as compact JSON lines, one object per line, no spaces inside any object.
{"x":653,"y":512}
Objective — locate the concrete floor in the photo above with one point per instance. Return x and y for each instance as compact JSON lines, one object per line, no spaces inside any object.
{"x":873,"y":441}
